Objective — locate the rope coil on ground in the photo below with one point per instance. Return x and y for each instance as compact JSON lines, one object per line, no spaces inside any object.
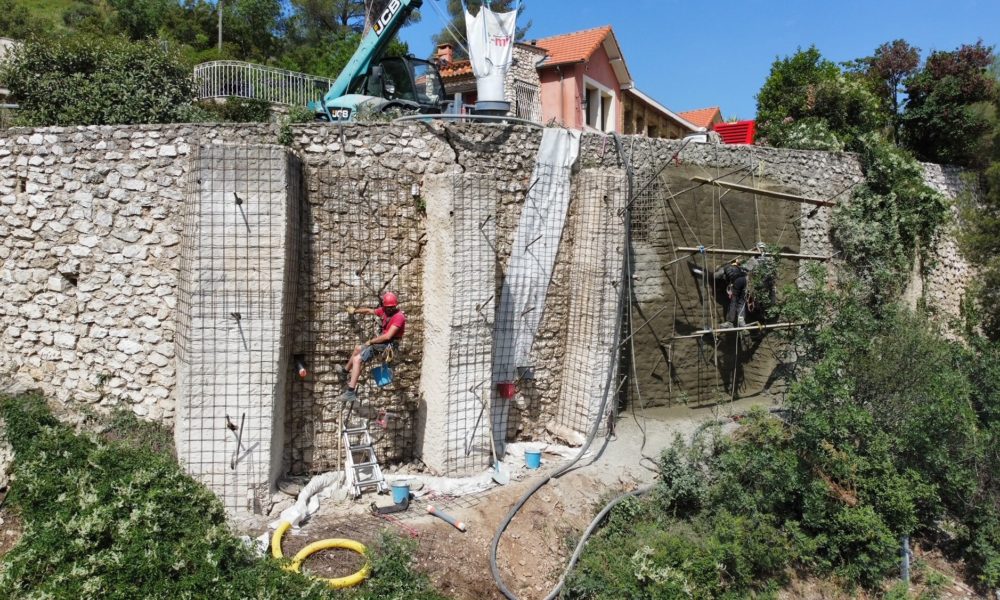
{"x":300,"y":557}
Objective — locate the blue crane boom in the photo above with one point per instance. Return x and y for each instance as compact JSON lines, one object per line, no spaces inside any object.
{"x":338,"y":103}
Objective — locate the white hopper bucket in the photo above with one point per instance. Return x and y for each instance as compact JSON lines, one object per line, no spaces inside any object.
{"x":491,"y":50}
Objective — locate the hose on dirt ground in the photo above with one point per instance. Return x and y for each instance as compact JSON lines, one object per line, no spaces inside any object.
{"x":624,"y":298}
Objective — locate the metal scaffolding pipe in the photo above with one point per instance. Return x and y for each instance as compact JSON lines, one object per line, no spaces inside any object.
{"x":701,"y":332}
{"x":755,"y":190}
{"x":752,"y":253}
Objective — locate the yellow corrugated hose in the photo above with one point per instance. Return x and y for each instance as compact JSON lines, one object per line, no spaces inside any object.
{"x":296,"y":564}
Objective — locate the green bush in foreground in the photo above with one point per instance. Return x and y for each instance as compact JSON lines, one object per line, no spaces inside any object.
{"x":91,"y":80}
{"x":119,"y":519}
{"x":891,"y":432}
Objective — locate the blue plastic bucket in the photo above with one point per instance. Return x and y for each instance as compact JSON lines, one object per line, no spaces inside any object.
{"x":400,"y":491}
{"x":533,"y":458}
{"x":382,"y":375}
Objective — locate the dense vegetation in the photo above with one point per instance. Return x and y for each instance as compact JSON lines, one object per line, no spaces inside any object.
{"x":949,"y":115}
{"x":130,"y":61}
{"x":113,"y":516}
{"x":889,"y":429}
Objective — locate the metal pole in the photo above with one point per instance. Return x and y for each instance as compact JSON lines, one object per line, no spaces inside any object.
{"x":753,"y":253}
{"x":218,"y":7}
{"x":702,"y":332}
{"x":906,"y":560}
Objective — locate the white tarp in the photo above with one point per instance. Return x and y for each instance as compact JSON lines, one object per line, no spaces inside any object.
{"x":533,"y":255}
{"x":491,"y":47}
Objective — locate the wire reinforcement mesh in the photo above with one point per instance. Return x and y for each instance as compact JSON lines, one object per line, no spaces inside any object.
{"x":473,"y":290}
{"x":362,"y":237}
{"x":236,"y":280}
{"x":676,"y":295}
{"x":594,"y":280}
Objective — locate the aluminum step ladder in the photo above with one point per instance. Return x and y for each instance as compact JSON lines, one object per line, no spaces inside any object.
{"x":360,"y":463}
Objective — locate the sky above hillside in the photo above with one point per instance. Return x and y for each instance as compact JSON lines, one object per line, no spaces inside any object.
{"x":689,"y":54}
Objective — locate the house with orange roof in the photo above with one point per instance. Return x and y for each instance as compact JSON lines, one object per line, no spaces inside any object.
{"x":704,"y":117}
{"x":579,"y":80}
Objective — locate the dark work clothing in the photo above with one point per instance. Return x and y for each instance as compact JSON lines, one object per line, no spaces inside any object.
{"x":737,"y":304}
{"x":737,"y":278}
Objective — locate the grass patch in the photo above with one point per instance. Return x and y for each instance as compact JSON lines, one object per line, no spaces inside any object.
{"x":48,"y":11}
{"x":112,"y":515}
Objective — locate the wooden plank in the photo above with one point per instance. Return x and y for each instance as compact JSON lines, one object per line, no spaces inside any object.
{"x":760,"y":191}
{"x":752,"y":253}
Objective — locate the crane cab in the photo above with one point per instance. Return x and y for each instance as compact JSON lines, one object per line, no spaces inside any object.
{"x":404,"y":83}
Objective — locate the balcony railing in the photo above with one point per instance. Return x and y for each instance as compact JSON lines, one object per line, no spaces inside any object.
{"x":230,"y":78}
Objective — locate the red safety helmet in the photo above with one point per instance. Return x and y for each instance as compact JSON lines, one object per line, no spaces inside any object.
{"x":389,"y":300}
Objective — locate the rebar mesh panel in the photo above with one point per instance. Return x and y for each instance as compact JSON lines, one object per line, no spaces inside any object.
{"x":472,"y":319}
{"x":363,"y":236}
{"x":674,"y":292}
{"x":236,"y":278}
{"x":595,"y":269}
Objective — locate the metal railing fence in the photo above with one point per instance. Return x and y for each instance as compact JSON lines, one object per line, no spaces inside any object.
{"x":230,"y":78}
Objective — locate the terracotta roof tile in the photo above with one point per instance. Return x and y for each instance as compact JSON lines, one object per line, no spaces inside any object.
{"x":572,"y":47}
{"x":702,"y":117}
{"x":457,"y":68}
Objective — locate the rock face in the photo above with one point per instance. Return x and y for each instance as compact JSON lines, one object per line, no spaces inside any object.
{"x":92,"y":235}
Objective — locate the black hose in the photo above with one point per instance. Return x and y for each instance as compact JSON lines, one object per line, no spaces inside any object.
{"x":624,"y":297}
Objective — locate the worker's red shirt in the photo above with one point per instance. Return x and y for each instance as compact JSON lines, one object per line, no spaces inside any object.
{"x":398,"y":319}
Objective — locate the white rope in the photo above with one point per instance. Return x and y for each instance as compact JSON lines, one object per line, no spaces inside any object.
{"x":459,"y":38}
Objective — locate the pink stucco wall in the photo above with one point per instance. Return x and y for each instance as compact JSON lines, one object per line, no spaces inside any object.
{"x":562,"y":90}
{"x":561,"y":95}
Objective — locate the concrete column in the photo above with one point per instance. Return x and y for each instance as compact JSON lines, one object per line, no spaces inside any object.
{"x":459,"y":288}
{"x":235,"y":298}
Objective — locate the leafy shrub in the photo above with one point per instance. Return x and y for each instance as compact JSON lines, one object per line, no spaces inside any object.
{"x":810,"y":133}
{"x":807,"y":102}
{"x":236,"y":110}
{"x":682,"y":491}
{"x":91,"y":80}
{"x":889,"y":218}
{"x":114,"y":520}
{"x":979,"y":239}
{"x":115,"y":517}
{"x":296,"y":114}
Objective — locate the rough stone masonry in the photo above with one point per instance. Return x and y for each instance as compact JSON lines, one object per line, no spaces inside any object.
{"x":92,"y":230}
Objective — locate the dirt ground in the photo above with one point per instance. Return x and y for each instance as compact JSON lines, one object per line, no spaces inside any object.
{"x":534,"y":550}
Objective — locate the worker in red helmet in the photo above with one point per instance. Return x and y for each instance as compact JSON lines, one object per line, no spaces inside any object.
{"x":393,"y":327}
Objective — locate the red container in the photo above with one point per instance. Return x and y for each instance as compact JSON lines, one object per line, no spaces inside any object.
{"x":740,"y":132}
{"x":506,"y":390}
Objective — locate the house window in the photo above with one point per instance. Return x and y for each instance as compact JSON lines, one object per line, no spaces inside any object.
{"x":599,"y":106}
{"x":527,"y":104}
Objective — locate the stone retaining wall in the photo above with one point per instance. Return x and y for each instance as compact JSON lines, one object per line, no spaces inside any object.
{"x":91,"y":228}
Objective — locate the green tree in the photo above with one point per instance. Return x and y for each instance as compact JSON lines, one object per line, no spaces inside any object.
{"x":891,"y":64}
{"x":950,"y":113}
{"x":139,"y":19}
{"x":808,"y":102}
{"x":90,"y":16}
{"x":254,"y":27}
{"x":454,"y":32}
{"x":88,"y":80}
{"x":16,"y":21}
